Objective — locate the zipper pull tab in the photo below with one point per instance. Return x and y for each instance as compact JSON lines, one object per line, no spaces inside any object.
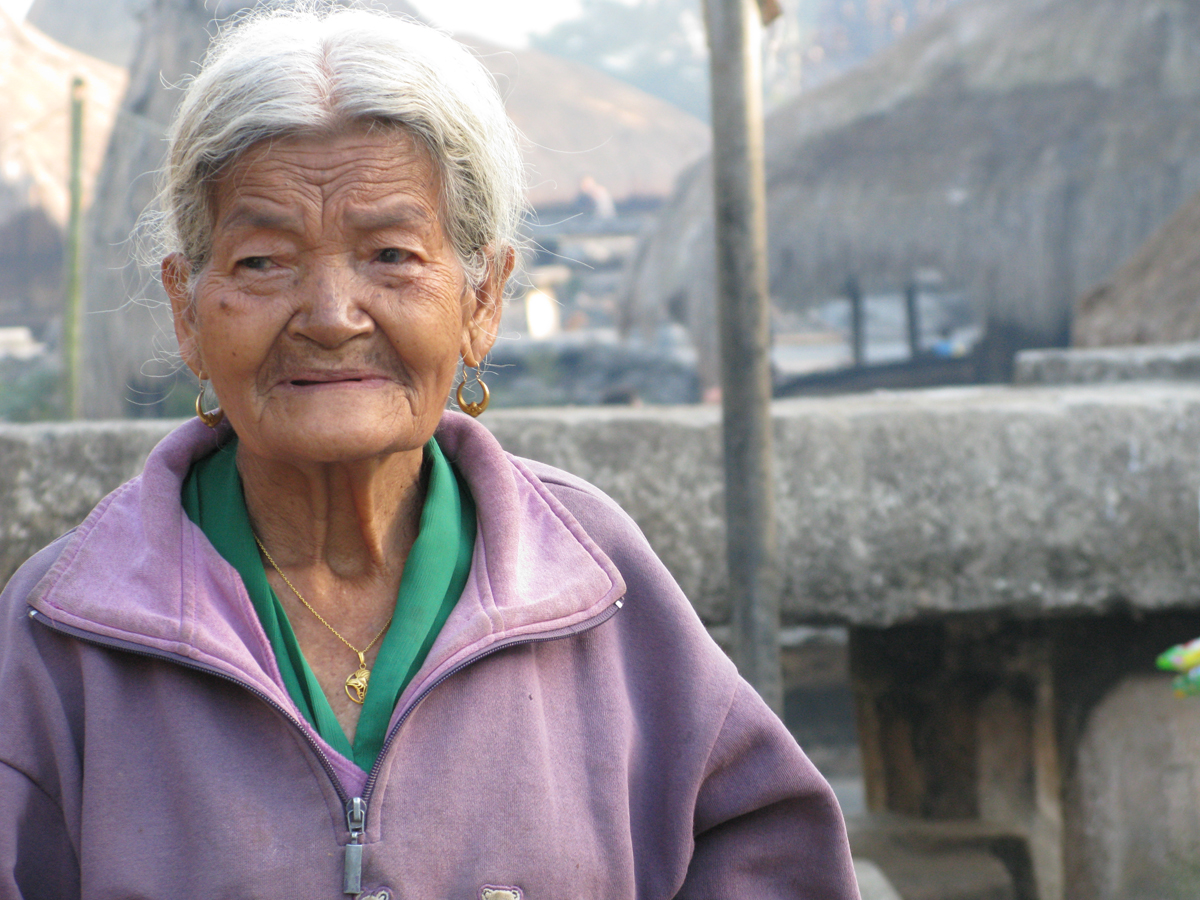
{"x":356,"y":820}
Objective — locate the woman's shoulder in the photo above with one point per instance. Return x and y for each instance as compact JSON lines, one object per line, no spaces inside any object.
{"x":604,"y":521}
{"x":654,"y":600}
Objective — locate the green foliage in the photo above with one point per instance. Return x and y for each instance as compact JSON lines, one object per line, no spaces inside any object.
{"x":31,"y":391}
{"x":180,"y":402}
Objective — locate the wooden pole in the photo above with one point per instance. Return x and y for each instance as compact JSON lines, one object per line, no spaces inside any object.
{"x":744,"y":319}
{"x":858,"y":322}
{"x":912,"y":317}
{"x":74,"y":252}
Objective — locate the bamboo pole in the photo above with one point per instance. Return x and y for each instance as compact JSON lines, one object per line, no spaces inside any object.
{"x":73,"y":275}
{"x":744,"y":318}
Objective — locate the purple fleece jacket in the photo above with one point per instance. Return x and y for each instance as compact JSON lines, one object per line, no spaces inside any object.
{"x":574,"y":733}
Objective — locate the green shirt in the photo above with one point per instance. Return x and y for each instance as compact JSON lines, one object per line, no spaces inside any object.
{"x":434,"y":576}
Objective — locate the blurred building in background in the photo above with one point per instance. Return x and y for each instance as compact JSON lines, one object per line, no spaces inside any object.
{"x":1019,"y":150}
{"x":975,"y":172}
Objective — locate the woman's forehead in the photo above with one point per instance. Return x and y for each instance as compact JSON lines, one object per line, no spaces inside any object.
{"x":375,"y":176}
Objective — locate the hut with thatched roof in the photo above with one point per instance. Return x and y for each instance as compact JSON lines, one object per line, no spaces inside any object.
{"x":1021,"y":148}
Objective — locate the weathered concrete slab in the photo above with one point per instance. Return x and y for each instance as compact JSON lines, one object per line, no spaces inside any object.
{"x":893,"y":506}
{"x":1153,"y":362}
{"x":1026,"y":501}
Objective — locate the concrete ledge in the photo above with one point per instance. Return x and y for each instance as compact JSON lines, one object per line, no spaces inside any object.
{"x":892,"y":506}
{"x":1153,"y":362}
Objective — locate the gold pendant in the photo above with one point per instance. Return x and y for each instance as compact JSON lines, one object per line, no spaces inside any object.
{"x":356,"y":685}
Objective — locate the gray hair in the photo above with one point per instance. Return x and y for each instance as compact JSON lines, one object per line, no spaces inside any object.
{"x":321,"y":68}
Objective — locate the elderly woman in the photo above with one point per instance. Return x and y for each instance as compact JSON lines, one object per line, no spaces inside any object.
{"x":334,"y":641}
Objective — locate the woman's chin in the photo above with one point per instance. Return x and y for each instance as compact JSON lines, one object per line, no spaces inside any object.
{"x":345,"y":436}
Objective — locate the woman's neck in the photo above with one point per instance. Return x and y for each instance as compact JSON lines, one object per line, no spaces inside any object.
{"x":342,"y":534}
{"x":345,"y":521}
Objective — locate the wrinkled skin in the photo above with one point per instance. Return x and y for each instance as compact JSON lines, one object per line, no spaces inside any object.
{"x":332,"y":311}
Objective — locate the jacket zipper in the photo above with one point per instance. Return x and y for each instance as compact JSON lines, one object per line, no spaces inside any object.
{"x":356,"y":807}
{"x":356,"y":821}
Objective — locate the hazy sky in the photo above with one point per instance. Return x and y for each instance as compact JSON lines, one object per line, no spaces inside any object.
{"x":16,"y":8}
{"x":509,"y":22}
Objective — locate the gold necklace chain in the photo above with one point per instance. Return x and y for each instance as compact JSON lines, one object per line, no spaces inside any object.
{"x":356,"y":683}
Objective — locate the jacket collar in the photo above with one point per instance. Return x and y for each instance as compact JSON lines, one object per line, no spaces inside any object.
{"x":138,"y":571}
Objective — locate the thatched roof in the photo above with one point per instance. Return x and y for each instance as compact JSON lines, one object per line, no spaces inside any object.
{"x":580,"y":121}
{"x":1155,"y":297}
{"x":35,"y":119}
{"x":1021,"y":147}
{"x":106,"y":31}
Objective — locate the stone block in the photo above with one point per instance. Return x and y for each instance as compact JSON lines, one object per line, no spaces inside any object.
{"x":895,"y":507}
{"x":1138,"y":796}
{"x":948,"y":861}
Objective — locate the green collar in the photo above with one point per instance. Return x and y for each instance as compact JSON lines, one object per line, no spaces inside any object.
{"x":434,"y":576}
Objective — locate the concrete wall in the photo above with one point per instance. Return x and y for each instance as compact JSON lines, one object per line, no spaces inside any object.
{"x":892,"y":506}
{"x":1150,"y":362}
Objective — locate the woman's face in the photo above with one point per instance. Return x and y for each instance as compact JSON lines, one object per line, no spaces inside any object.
{"x":332,"y":313}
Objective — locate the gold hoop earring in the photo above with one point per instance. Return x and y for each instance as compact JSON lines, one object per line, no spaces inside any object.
{"x":211,"y":419}
{"x":472,"y":408}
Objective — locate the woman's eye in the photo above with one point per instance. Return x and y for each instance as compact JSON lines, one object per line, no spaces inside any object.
{"x":392,"y":255}
{"x":255,"y":262}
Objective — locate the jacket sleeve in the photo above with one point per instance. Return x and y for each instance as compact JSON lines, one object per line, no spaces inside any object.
{"x":36,"y":856}
{"x":766,"y":823}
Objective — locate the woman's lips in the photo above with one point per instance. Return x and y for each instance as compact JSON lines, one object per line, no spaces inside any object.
{"x":334,"y":379}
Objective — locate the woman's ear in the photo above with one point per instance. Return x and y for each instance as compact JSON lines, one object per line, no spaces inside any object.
{"x":176,"y":275}
{"x":483,"y":308}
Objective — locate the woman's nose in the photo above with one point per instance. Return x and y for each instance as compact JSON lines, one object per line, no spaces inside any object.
{"x":332,"y":307}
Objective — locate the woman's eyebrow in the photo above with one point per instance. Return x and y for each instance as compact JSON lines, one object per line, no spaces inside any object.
{"x":250,"y":217}
{"x":382,"y":216}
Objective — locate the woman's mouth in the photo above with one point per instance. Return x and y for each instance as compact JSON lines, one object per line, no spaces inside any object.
{"x":331,"y":380}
